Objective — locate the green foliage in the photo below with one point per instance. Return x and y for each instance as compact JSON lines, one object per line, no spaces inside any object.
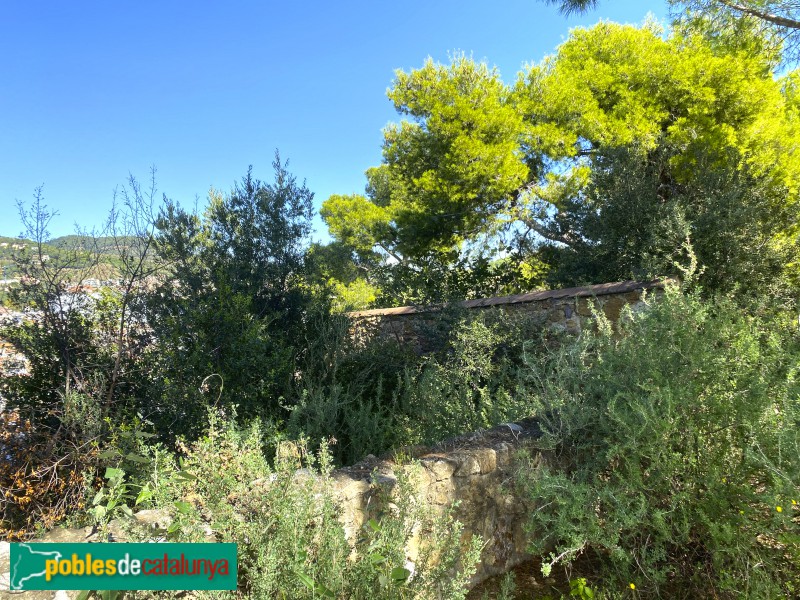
{"x":113,"y":498}
{"x":227,"y":317}
{"x":285,"y":522}
{"x":336,"y":270}
{"x":465,"y":130}
{"x":777,"y":22}
{"x":673,"y":445}
{"x":680,"y":141}
{"x":377,"y":396}
{"x":579,"y":588}
{"x":428,"y":227}
{"x":598,"y":164}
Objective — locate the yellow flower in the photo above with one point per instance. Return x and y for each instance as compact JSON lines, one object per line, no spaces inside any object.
{"x":779,"y":508}
{"x":632,"y":586}
{"x":724,"y":480}
{"x":741,"y":512}
{"x":794,"y":502}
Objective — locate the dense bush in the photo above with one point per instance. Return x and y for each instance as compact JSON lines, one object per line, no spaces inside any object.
{"x":285,"y":522}
{"x":375,"y":396}
{"x":233,"y":304}
{"x":676,"y":453}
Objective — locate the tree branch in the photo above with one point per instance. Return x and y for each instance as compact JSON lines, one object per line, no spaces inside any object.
{"x":764,"y":16}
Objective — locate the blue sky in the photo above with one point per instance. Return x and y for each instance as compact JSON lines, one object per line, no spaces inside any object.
{"x":94,"y":91}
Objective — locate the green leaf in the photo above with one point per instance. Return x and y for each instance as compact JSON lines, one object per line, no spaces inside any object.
{"x":136,"y":458}
{"x":305,"y":580}
{"x":174,"y":527}
{"x":114,"y":473}
{"x":183,"y":507}
{"x":84,"y":595}
{"x":374,"y":525}
{"x":109,"y":454}
{"x":400,"y":574}
{"x":377,"y":559}
{"x":185,"y":476}
{"x":144,"y":494}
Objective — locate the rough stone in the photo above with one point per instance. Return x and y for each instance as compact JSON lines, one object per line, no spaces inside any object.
{"x":470,"y":465}
{"x":487,"y":459}
{"x":478,"y":475}
{"x":612,"y":307}
{"x":440,"y":468}
{"x":584,"y":307}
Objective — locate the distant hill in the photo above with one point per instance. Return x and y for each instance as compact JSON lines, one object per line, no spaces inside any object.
{"x":8,"y":245}
{"x":105,"y":244}
{"x":105,"y":270}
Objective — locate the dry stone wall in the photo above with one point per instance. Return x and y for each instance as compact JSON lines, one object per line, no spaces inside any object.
{"x":475,"y":472}
{"x":569,"y":309}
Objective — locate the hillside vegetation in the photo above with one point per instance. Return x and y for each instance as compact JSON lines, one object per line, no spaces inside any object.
{"x":105,"y":246}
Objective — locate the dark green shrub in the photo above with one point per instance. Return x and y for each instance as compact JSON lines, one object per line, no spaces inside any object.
{"x":676,"y":453}
{"x":381,"y":395}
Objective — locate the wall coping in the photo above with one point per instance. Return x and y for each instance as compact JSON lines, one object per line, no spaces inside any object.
{"x":601,"y":289}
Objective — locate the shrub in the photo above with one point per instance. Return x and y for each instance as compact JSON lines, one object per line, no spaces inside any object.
{"x":676,"y":452}
{"x":286,"y":524}
{"x":381,"y":395}
{"x":43,"y":476}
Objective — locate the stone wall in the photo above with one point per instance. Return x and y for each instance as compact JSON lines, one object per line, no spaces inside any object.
{"x":476,"y":471}
{"x":567,"y":309}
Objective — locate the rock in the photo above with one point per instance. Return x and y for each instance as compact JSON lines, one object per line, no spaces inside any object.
{"x":441,"y":493}
{"x":304,"y":476}
{"x":153,"y":519}
{"x":5,"y":567}
{"x":69,"y":536}
{"x":487,"y":459}
{"x":584,"y":307}
{"x":469,"y":466}
{"x":613,"y":307}
{"x":440,"y":468}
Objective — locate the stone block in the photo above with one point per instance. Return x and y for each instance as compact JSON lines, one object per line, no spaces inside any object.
{"x":440,"y":468}
{"x":613,"y":306}
{"x":584,"y":307}
{"x":469,"y":465}
{"x":487,"y":459}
